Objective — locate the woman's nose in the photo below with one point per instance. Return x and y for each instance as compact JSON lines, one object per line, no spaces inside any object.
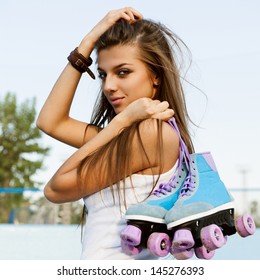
{"x":109,"y":85}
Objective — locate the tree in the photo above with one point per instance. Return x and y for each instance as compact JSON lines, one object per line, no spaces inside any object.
{"x":21,"y":155}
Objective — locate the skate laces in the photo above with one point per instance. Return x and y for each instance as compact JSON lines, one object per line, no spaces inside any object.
{"x":188,"y":186}
{"x":165,"y":188}
{"x":190,"y":183}
{"x":184,"y":158}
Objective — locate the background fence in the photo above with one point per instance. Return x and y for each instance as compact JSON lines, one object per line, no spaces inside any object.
{"x":40,"y":211}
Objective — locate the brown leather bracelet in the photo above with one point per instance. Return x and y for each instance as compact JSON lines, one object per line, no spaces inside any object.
{"x":80,"y":62}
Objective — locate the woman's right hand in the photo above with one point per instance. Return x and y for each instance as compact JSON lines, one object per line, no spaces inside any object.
{"x":146,"y":108}
{"x":129,"y":14}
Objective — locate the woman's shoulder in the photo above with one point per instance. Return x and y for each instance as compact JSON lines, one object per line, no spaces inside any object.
{"x":159,"y":134}
{"x":150,"y":128}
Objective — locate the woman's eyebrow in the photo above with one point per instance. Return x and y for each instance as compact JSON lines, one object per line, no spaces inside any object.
{"x":115,"y":67}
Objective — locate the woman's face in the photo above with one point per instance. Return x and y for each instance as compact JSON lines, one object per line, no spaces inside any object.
{"x":125,"y":78}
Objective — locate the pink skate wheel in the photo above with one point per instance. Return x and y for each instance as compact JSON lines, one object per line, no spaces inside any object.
{"x":182,"y":239}
{"x":212,"y":237}
{"x":203,"y":253}
{"x":131,"y":235}
{"x":245,"y":225}
{"x":130,"y":250}
{"x":182,"y":254}
{"x":159,"y":244}
{"x":226,"y":239}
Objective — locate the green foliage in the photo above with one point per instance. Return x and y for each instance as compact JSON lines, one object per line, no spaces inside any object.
{"x":21,"y":155}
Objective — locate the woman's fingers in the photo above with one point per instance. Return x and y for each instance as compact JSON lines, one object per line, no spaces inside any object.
{"x":165,"y":115}
{"x":162,"y":106}
{"x":127,"y":13}
{"x":146,"y":108}
{"x":133,"y":14}
{"x":157,"y":106}
{"x":161,"y":110}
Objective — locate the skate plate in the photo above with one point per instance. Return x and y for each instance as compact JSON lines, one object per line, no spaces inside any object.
{"x":147,"y":228}
{"x":223,"y":219}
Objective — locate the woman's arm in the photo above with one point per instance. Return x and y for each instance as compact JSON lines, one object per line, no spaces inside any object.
{"x":54,"y":118}
{"x":63,"y":186}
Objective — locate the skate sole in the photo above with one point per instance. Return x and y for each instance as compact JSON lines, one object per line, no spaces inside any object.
{"x":198,"y":216}
{"x":145,"y":219}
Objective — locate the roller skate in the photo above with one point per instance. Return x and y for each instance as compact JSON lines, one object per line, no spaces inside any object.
{"x":146,"y":227}
{"x":203,"y":215}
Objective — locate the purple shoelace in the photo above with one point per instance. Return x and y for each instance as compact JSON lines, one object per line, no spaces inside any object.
{"x":184,"y":158}
{"x":189,"y":183}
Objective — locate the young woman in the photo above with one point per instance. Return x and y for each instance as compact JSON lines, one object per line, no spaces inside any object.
{"x":128,"y":148}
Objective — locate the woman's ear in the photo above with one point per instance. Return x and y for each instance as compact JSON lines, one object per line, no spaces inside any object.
{"x":155,"y":84}
{"x":156,"y":81}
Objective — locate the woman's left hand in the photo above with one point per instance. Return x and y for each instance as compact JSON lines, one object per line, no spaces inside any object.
{"x":147,"y":108}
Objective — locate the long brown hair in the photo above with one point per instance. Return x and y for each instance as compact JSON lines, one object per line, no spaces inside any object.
{"x":161,"y":51}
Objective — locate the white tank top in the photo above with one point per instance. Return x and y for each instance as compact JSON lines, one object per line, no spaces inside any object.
{"x":105,"y":218}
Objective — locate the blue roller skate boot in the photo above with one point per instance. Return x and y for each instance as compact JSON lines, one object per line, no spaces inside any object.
{"x":146,"y":226}
{"x":203,"y":214}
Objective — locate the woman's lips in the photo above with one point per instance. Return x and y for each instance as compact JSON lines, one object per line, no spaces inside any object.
{"x":116,"y":101}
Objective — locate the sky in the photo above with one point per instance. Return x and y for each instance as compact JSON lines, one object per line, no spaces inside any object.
{"x":223,"y":36}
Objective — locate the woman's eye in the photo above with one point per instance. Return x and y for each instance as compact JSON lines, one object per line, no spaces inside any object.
{"x":123,"y":72}
{"x":102,"y":75}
